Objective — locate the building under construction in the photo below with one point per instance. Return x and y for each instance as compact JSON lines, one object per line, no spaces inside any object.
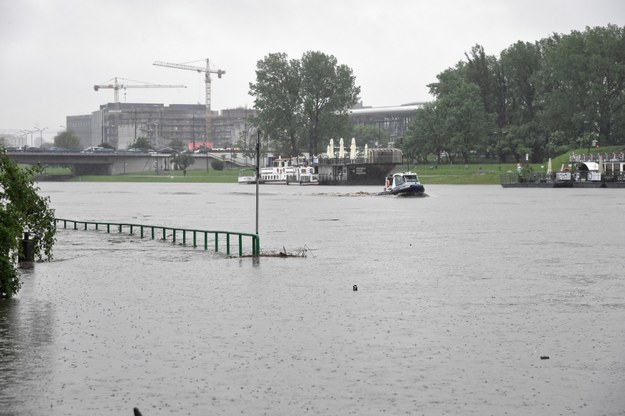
{"x":120,"y":124}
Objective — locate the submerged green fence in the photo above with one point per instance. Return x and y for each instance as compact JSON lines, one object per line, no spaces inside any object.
{"x":207,"y":239}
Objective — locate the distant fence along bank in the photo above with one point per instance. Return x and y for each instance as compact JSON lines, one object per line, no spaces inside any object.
{"x":605,"y":170}
{"x":218,"y":240}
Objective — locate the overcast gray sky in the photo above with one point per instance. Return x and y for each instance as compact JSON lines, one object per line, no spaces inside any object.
{"x":52,"y":52}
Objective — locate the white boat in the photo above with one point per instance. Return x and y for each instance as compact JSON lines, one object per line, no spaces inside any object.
{"x":304,"y":175}
{"x":248,"y":176}
{"x":404,"y":183}
{"x":282,"y":170}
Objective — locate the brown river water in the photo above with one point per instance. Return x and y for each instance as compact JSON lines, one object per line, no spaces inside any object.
{"x":474,"y":300}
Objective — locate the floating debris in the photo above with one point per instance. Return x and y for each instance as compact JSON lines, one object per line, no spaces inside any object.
{"x":300,"y":252}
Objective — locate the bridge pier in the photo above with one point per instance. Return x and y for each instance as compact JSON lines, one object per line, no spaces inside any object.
{"x":82,"y":170}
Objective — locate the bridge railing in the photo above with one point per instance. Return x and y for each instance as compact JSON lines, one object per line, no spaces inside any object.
{"x":217,"y":240}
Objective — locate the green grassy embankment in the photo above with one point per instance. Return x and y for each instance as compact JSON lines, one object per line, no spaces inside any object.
{"x":458,"y":174}
{"x":175,"y":176}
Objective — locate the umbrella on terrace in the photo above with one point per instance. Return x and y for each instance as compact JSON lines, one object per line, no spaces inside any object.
{"x":601,"y":170}
{"x":352,"y":149}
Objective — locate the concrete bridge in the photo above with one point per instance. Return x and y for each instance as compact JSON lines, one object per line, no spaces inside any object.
{"x":114,"y":163}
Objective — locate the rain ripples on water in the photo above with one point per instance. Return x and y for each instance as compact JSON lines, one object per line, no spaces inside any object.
{"x":473,"y":300}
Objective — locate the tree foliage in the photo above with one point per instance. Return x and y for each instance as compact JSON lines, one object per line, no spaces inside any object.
{"x":302,"y":102}
{"x":182,"y":161}
{"x":141,"y":143}
{"x":368,"y":134}
{"x":327,"y":91}
{"x":67,"y":139}
{"x":178,"y":145}
{"x":455,"y":124}
{"x":21,"y":210}
{"x":535,"y":98}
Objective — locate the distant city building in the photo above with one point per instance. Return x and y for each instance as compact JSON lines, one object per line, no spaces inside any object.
{"x":392,"y":120}
{"x":120,"y":124}
{"x":81,"y":127}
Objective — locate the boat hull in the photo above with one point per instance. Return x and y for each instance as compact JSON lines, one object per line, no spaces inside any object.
{"x":248,"y":179}
{"x":410,"y":190}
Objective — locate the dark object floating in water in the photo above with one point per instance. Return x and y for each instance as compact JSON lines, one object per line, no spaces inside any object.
{"x":355,"y":288}
{"x":544,"y":357}
{"x":136,"y":412}
{"x":302,"y":252}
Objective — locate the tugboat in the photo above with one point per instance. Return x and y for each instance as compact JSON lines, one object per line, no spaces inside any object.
{"x":404,"y":184}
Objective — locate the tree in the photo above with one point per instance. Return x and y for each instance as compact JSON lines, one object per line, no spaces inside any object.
{"x":521,"y":64}
{"x":218,"y":165}
{"x":426,"y":134}
{"x":277,"y":98}
{"x":141,"y":143}
{"x":462,"y":118}
{"x":328,"y":90}
{"x":182,"y":161}
{"x":301,"y":102}
{"x":486,"y":72}
{"x":177,"y":144}
{"x":584,"y":83}
{"x":368,"y":134}
{"x":247,"y":143}
{"x":21,"y":210}
{"x":67,"y":139}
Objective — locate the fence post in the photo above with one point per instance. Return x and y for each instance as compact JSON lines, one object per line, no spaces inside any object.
{"x":28,"y":249}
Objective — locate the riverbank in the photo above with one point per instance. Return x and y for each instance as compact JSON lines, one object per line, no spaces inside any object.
{"x":431,"y":173}
{"x":472,"y":174}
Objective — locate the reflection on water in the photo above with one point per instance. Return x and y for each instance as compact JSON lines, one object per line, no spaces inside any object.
{"x":460,"y":295}
{"x":26,"y":335}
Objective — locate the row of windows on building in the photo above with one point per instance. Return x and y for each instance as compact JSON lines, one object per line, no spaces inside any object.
{"x":120,"y":124}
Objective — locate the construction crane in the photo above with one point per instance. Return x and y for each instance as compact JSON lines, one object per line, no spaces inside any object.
{"x":116,"y":86}
{"x":207,"y":80}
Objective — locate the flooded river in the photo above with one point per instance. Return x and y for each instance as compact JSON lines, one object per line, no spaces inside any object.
{"x":474,"y":300}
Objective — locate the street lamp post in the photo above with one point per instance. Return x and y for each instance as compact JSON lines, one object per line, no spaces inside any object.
{"x":24,"y":138}
{"x":40,"y":136}
{"x":257,"y":175}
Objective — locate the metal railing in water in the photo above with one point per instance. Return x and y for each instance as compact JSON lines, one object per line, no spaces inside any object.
{"x":183,"y":235}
